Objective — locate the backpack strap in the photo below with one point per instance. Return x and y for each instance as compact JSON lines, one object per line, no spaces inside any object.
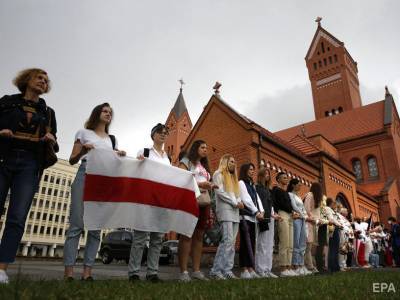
{"x":146,"y":152}
{"x":113,"y":142}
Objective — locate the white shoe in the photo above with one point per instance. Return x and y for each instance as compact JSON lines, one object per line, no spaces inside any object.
{"x":299,"y":271}
{"x":245,"y":275}
{"x":3,"y":277}
{"x":184,"y":277}
{"x":271,"y":275}
{"x":293,"y":272}
{"x":198,"y":275}
{"x":263,"y":274}
{"x":217,"y":276}
{"x":287,"y":273}
{"x":306,"y":271}
{"x":254,"y":275}
{"x":230,"y":275}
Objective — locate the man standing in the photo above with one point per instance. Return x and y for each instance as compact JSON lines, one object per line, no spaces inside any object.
{"x":159,"y":134}
{"x":395,"y":236}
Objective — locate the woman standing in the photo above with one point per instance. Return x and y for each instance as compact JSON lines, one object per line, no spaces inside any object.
{"x":228,"y":204}
{"x":196,"y":162}
{"x":265,"y":240}
{"x":27,"y":124}
{"x":299,"y":228}
{"x":252,"y":212}
{"x":312,"y":204}
{"x":94,"y":135}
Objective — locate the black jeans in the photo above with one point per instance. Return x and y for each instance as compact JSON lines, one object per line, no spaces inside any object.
{"x":247,"y":244}
{"x":322,"y":242}
{"x":333,"y":253}
{"x":19,"y":174}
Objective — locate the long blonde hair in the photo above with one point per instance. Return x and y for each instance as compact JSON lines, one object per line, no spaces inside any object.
{"x":230,"y":180}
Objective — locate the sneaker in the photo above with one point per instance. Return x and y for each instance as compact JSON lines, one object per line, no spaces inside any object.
{"x":153,"y":278}
{"x":314,"y":270}
{"x":271,"y":275}
{"x":306,"y":271}
{"x":254,"y":275}
{"x":3,"y":277}
{"x":293,"y":272}
{"x":198,"y":275}
{"x":287,"y":273}
{"x":263,"y":274}
{"x":184,"y":277}
{"x":245,"y":275}
{"x":230,"y":275}
{"x":217,"y":276}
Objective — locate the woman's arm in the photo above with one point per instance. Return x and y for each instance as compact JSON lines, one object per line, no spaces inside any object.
{"x":78,"y":151}
{"x":221,"y":193}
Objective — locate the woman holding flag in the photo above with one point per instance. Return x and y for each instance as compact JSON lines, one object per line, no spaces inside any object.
{"x":94,"y":135}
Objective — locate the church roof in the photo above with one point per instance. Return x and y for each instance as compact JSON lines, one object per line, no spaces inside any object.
{"x":180,"y":106}
{"x":364,"y":120}
{"x":304,"y":145}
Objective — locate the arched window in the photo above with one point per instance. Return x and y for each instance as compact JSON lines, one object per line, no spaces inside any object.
{"x":327,"y":114}
{"x":372,"y":167}
{"x":340,"y":109}
{"x":315,"y":66}
{"x":357,"y":169}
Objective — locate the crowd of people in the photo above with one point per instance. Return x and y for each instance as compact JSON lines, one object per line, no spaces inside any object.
{"x":315,"y":233}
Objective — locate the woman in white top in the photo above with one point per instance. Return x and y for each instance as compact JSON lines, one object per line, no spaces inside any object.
{"x":299,"y":228}
{"x":252,"y":212}
{"x":196,"y":162}
{"x":94,"y":135}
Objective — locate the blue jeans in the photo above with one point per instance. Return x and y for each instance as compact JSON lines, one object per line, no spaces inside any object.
{"x":76,"y":227}
{"x":225,"y":256}
{"x":299,"y":242}
{"x":19,"y":173}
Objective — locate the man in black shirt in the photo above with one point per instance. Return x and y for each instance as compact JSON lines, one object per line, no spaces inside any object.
{"x":283,"y":205}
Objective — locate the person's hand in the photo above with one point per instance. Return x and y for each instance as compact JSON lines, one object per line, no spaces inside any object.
{"x":120,"y":153}
{"x":140,"y":157}
{"x":206,"y":185}
{"x":214,"y":186}
{"x":260,"y":216}
{"x":6,"y":133}
{"x":86,"y":148}
{"x":240,"y":205}
{"x":277,"y":217}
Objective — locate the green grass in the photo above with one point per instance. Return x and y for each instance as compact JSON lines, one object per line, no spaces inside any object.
{"x":341,"y":286}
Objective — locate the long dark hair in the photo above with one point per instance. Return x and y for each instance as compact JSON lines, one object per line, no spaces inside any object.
{"x":94,"y":118}
{"x":291,"y":184}
{"x":316,"y":190}
{"x":261,"y":177}
{"x":244,"y":169}
{"x":193,"y":155}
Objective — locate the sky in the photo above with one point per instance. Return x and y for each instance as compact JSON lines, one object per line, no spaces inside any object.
{"x":132,"y":54}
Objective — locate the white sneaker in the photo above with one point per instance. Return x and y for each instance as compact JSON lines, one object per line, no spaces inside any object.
{"x":3,"y":277}
{"x":184,"y":277}
{"x":198,"y":275}
{"x":299,"y":272}
{"x":263,"y":274}
{"x":286,"y":273}
{"x":271,"y":275}
{"x":294,"y":273}
{"x":245,"y":275}
{"x":217,"y":276}
{"x":230,"y":275}
{"x":254,"y":275}
{"x":306,"y":271}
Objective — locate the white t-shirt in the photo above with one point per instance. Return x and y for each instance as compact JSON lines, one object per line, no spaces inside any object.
{"x":156,"y":156}
{"x":87,"y":136}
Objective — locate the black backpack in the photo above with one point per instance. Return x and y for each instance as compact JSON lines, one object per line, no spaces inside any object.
{"x":146,"y":153}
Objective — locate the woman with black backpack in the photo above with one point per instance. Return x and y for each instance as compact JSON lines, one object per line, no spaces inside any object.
{"x":94,"y":135}
{"x":27,"y":129}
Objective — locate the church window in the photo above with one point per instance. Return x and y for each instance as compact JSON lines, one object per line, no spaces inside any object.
{"x":329,"y":49}
{"x":320,"y":64}
{"x":340,"y":109}
{"x":335,"y":58}
{"x":327,"y":114}
{"x":325,"y":63}
{"x":333,"y":111}
{"x":357,"y":169}
{"x":315,"y":66}
{"x":322,"y":47}
{"x":372,"y":167}
{"x":330,"y":59}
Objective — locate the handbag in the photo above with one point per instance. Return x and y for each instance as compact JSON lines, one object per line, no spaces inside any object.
{"x":204,"y":199}
{"x":49,"y":156}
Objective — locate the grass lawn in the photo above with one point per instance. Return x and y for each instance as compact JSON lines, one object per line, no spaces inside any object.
{"x":341,"y":286}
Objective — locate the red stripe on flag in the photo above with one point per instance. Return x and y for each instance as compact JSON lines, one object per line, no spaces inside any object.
{"x":141,"y":191}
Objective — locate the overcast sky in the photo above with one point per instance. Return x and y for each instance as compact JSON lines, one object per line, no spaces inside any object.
{"x":132,"y":54}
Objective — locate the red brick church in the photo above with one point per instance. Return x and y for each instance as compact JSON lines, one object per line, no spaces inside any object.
{"x":353,"y":150}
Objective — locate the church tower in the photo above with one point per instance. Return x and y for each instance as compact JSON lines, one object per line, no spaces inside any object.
{"x":179,"y":125}
{"x":333,"y":74}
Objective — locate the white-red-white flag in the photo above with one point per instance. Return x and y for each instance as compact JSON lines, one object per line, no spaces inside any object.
{"x":142,"y":195}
